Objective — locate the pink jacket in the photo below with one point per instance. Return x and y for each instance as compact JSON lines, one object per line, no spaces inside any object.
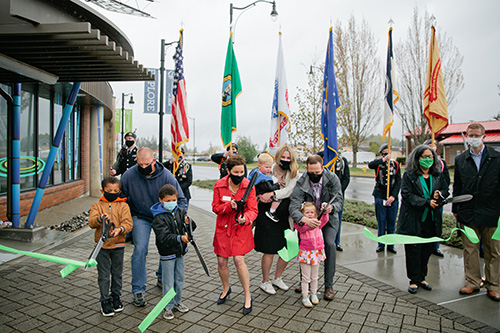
{"x":312,"y":239}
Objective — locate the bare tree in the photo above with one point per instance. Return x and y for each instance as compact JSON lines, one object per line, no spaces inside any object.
{"x":357,"y":70}
{"x":306,"y":121}
{"x":412,"y":56}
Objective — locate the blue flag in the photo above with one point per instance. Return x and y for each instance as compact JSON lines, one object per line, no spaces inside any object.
{"x":331,"y":105}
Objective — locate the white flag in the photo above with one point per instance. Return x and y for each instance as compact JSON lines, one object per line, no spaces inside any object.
{"x":280,"y":120}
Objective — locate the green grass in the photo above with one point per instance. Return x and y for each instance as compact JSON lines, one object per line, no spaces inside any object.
{"x":362,"y":213}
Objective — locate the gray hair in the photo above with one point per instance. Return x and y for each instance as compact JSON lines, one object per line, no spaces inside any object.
{"x":412,"y":163}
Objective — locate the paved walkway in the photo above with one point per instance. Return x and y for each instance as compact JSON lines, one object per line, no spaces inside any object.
{"x":34,"y":298}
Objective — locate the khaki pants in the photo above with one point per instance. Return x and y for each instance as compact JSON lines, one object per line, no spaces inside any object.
{"x":491,"y":260}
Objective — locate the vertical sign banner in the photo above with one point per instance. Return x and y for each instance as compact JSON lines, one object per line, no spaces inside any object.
{"x":169,"y":84}
{"x":151,"y":93}
{"x":128,"y":120}
{"x":118,"y":121}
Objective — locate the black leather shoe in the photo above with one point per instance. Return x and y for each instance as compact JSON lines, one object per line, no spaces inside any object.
{"x":339,"y":248}
{"x":379,"y":249}
{"x":392,"y":250}
{"x":425,"y":286}
{"x":248,"y":310}
{"x":438,"y":253}
{"x":412,"y":290}
{"x":298,"y":289}
{"x":222,"y":300}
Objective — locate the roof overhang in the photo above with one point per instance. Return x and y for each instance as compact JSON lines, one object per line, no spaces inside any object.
{"x":54,"y":48}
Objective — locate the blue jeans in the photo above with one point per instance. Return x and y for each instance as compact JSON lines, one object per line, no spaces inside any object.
{"x":386,"y":218}
{"x":173,"y":277}
{"x":141,"y":233}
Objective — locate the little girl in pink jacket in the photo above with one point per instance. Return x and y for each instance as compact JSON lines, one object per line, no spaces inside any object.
{"x":310,"y":253}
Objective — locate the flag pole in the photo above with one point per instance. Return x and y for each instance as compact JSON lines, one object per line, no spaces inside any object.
{"x":431,"y":121}
{"x":389,"y":165}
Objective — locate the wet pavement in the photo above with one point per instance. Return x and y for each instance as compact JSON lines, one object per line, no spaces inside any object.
{"x":370,"y":290}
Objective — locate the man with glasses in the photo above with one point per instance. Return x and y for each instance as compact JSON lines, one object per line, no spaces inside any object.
{"x":386,"y":206}
{"x":477,"y":172}
{"x":141,"y":185}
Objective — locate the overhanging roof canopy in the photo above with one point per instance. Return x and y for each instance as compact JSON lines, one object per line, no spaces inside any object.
{"x":64,"y":52}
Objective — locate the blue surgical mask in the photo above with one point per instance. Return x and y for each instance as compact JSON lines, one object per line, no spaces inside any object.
{"x":170,"y":206}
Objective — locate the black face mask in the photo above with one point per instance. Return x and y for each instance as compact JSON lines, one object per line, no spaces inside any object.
{"x":145,"y":171}
{"x":129,"y":143}
{"x":236,"y":179}
{"x":315,"y":178}
{"x":111,"y":196}
{"x":285,"y":165}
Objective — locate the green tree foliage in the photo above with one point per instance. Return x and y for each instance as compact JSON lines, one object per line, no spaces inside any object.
{"x":247,"y":149}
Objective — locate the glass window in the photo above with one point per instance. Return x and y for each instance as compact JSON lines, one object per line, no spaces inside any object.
{"x":44,"y":129}
{"x":28,"y":139}
{"x":57,"y":171}
{"x":3,"y":140}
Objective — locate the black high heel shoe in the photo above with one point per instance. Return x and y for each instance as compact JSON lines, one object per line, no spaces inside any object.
{"x":248,"y":310}
{"x":223,"y":299}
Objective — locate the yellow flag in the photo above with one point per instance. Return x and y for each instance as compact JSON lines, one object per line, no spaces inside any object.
{"x":435,"y":106}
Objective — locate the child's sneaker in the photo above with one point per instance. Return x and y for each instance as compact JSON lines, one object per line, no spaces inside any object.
{"x":314,"y":298}
{"x":117,"y":304}
{"x":181,"y":308}
{"x":272,"y":216}
{"x":168,"y":314}
{"x":107,"y":309}
{"x":307,"y":303}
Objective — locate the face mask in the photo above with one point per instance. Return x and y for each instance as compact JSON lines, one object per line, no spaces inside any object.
{"x":145,"y":171}
{"x":475,"y":142}
{"x":111,"y":196}
{"x":285,"y":165}
{"x":426,"y":163}
{"x":129,"y":143}
{"x":236,"y":179}
{"x":315,"y":178}
{"x":384,"y":154}
{"x":170,"y":206}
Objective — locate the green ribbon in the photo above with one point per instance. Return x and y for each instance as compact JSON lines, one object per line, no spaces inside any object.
{"x":292,"y":246}
{"x":71,"y":264}
{"x":157,"y":310}
{"x":392,"y":239}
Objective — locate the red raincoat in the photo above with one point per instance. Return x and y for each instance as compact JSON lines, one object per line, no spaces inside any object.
{"x":230,"y":239}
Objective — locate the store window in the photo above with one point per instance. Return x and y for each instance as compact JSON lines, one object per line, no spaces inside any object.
{"x":41,"y":112}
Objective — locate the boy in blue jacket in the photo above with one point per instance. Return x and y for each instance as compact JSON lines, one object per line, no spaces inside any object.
{"x":169,"y":224}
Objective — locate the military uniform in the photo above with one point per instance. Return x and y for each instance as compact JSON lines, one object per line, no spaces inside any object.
{"x":125,"y":160}
{"x":184,"y":175}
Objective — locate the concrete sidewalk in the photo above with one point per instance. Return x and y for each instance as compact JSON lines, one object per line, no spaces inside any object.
{"x":34,"y":298}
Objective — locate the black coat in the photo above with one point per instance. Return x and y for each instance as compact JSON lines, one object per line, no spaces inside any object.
{"x":222,"y":162}
{"x":413,"y":204}
{"x":484,"y":209}
{"x":184,"y":175}
{"x":168,"y":227}
{"x":380,"y":189}
{"x":342,"y":171}
{"x":125,"y":160}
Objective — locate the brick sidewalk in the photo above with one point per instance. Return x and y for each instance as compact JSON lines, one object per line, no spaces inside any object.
{"x":34,"y":298}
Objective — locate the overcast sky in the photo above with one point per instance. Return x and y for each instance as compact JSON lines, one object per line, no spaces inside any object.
{"x":473,"y":26}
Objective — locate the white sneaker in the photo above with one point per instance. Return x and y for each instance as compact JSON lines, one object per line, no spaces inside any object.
{"x":181,"y":308}
{"x":268,"y":287}
{"x":280,"y":284}
{"x":307,"y":303}
{"x":314,"y":298}
{"x":168,"y":314}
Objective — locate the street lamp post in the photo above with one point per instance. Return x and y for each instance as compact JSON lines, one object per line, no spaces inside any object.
{"x":131,"y":101}
{"x":162,"y":97}
{"x":274,"y":13}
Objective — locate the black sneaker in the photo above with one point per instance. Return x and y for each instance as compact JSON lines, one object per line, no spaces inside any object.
{"x":139,"y":300}
{"x":117,"y":304}
{"x":272,"y":216}
{"x":107,"y":308}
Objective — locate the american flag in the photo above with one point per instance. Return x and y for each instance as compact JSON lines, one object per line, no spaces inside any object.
{"x":179,"y":126}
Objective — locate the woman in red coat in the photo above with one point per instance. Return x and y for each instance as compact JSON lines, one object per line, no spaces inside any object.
{"x":233,"y":239}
